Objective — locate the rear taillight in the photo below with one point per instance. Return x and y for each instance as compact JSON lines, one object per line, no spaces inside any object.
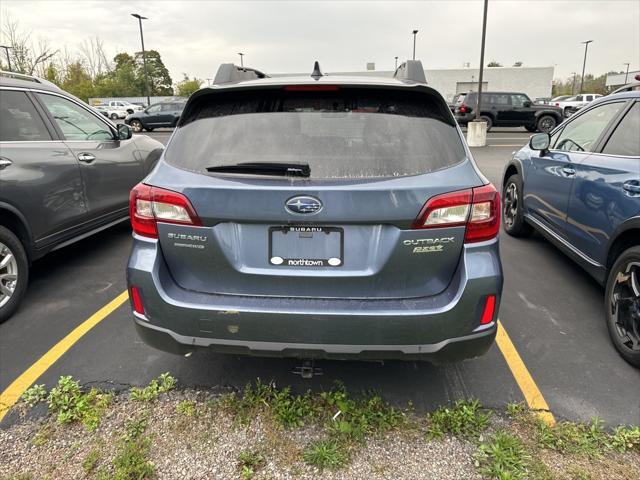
{"x":463,"y":108}
{"x":476,"y":208}
{"x":149,"y":205}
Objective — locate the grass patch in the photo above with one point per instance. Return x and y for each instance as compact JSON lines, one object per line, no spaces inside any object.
{"x":574,"y":438}
{"x":464,"y":419}
{"x":249,"y":462}
{"x":187,"y":408}
{"x":70,"y":403}
{"x":150,"y":393}
{"x":34,"y":395}
{"x":325,"y":454}
{"x":503,"y":457}
{"x":91,"y":460}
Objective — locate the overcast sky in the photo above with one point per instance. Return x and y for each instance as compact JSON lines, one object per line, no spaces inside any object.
{"x":196,"y":36}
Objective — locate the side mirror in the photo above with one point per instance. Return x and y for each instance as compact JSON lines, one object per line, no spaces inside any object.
{"x":527,"y":104}
{"x":124,"y":131}
{"x":540,"y":141}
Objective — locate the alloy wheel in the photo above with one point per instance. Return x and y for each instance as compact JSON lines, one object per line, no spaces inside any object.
{"x":546,"y":124}
{"x":136,"y":126}
{"x":625,"y":305}
{"x":8,"y":274}
{"x":510,"y":204}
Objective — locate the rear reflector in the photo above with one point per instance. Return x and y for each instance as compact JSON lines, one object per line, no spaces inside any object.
{"x":476,"y":208}
{"x":489,"y":308}
{"x":136,"y":300}
{"x":150,"y":205}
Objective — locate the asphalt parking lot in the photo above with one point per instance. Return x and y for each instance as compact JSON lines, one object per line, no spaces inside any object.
{"x":551,"y":310}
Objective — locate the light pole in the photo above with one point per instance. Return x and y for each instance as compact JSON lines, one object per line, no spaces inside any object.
{"x":584,"y":63}
{"x":484,"y":34}
{"x":6,"y":50}
{"x":415,"y":32}
{"x":241,"y":59}
{"x":626,"y":74}
{"x":396,"y":63}
{"x":573,"y":86}
{"x":144,"y":57}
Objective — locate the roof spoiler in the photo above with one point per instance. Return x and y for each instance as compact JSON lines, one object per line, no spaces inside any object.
{"x":230,"y":73}
{"x":412,"y":71}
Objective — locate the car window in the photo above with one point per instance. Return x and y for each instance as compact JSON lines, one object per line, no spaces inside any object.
{"x":625,"y":140}
{"x":346,"y":133}
{"x":20,"y":119}
{"x":581,"y":134}
{"x":75,"y":122}
{"x":589,"y":98}
{"x":153,"y":109}
{"x":518,"y":100}
{"x":499,"y":99}
{"x":168,"y":107}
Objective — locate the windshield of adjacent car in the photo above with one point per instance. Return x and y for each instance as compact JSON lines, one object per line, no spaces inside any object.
{"x":344,"y":133}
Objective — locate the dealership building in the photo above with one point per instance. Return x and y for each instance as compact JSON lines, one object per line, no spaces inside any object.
{"x":536,"y":82}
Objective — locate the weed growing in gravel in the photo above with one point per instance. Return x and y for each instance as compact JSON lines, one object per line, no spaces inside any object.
{"x":567,"y":437}
{"x":249,"y":462}
{"x":43,"y":435}
{"x":503,"y":457}
{"x":325,"y":454}
{"x":91,"y":460}
{"x":626,"y":438}
{"x":516,"y":409}
{"x":71,"y":404}
{"x":162,"y":384}
{"x":34,"y":395}
{"x":464,"y":419}
{"x":187,"y":408}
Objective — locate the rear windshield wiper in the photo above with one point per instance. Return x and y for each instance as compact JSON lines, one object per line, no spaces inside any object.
{"x":293,"y":169}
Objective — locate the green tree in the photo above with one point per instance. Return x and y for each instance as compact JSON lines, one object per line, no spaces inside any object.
{"x":122,"y":81}
{"x":493,"y":63}
{"x":159,"y":79}
{"x":77,"y":81}
{"x":187,"y":86}
{"x":51,"y":74}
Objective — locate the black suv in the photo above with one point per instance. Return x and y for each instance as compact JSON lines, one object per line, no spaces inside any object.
{"x":509,"y":109}
{"x":165,"y":114}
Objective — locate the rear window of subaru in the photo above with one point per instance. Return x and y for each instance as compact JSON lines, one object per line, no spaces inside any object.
{"x":339,"y":132}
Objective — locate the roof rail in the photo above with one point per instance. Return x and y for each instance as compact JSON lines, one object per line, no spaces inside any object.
{"x":27,"y":78}
{"x":230,"y":73}
{"x":412,"y":71}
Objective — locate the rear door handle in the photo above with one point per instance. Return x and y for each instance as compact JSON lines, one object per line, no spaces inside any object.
{"x":632,"y":186}
{"x":4,"y":163}
{"x":569,"y":171}
{"x":86,"y":157}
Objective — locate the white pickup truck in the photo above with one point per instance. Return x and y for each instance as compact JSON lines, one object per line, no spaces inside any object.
{"x":571,"y":105}
{"x":124,"y":105}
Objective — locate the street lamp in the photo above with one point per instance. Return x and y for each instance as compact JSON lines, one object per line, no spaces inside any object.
{"x":415,"y":32}
{"x":144,"y":57}
{"x":241,"y":59}
{"x":396,"y":63}
{"x":6,"y":50}
{"x":584,"y":63}
{"x":484,"y":34}
{"x":626,"y":74}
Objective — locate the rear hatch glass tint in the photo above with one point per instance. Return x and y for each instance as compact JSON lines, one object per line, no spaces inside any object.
{"x":340,"y":133}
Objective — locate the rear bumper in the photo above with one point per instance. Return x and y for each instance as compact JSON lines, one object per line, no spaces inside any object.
{"x":440,"y":328}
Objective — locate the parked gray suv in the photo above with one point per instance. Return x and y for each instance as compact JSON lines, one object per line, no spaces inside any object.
{"x":317,"y":216}
{"x":65,"y":173}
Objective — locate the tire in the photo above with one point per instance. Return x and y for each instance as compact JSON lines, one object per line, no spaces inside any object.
{"x":136,"y":126}
{"x":487,"y":120}
{"x":546,"y":123}
{"x":114,"y":116}
{"x":567,"y":112}
{"x":12,"y":291}
{"x":512,"y":213}
{"x":129,"y":111}
{"x":531,"y":129}
{"x":149,"y":129}
{"x":622,"y":305}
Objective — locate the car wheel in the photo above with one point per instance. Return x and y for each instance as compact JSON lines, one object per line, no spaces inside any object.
{"x":488,"y":121}
{"x":149,"y":129}
{"x":136,"y":126}
{"x":567,"y":112}
{"x":14,"y":273}
{"x":114,"y":116}
{"x":622,"y":305}
{"x":129,"y":111}
{"x":512,"y":211}
{"x":531,"y":129}
{"x":546,"y":123}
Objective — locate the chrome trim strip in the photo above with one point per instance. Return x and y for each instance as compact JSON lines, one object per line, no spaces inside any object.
{"x":562,"y":241}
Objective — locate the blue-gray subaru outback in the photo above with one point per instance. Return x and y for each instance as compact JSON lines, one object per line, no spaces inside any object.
{"x":317,"y":217}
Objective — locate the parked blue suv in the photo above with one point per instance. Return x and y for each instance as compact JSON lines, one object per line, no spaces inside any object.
{"x":579,"y":186}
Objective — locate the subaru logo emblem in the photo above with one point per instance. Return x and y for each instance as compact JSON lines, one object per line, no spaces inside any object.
{"x":303,"y":205}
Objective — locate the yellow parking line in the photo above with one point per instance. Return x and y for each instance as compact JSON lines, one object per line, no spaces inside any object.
{"x":530,"y":390}
{"x":13,"y":392}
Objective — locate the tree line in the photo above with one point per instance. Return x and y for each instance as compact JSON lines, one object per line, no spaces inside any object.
{"x":89,"y":72}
